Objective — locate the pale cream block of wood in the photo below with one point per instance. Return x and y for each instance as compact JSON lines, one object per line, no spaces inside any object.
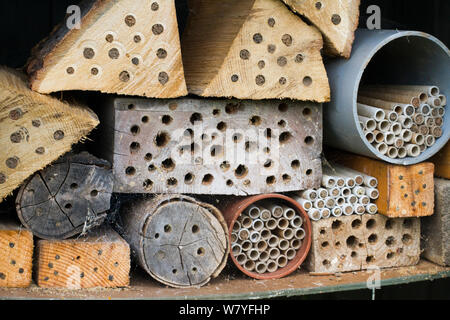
{"x":254,"y":49}
{"x":129,"y":47}
{"x":337,"y":20}
{"x":352,"y":243}
{"x":99,"y":260}
{"x":34,"y":129}
{"x":16,"y":255}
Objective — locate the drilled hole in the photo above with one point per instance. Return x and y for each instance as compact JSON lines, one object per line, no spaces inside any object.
{"x":157,"y":29}
{"x":285,"y":137}
{"x":295,"y":164}
{"x":389,"y":224}
{"x":371,"y":224}
{"x":230,"y":183}
{"x":172,"y":182}
{"x":166,"y":119}
{"x":68,"y":206}
{"x":114,"y":53}
{"x":70,"y":70}
{"x":257,"y":38}
{"x":286,"y":178}
{"x":168,"y":164}
{"x":271,"y":180}
{"x":200,"y":251}
{"x":207,"y":179}
{"x":309,"y":172}
{"x":390,"y":255}
{"x":189,"y":178}
{"x":244,"y":54}
{"x":287,"y":39}
{"x":309,"y":140}
{"x":268,"y":133}
{"x":147,"y":184}
{"x":151,"y":168}
{"x":406,"y":239}
{"x":167,"y":228}
{"x":325,"y":244}
{"x":221,"y":126}
{"x":336,"y":224}
{"x":94,"y":193}
{"x":390,"y":241}
{"x":241,"y":171}
{"x":352,"y":242}
{"x":130,"y":171}
{"x":162,"y":139}
{"x":196,"y":117}
{"x":148,"y":157}
{"x":135,"y":147}
{"x":195,"y":228}
{"x":255,"y":120}
{"x":373,"y":238}
{"x":407,"y":223}
{"x":225,"y":166}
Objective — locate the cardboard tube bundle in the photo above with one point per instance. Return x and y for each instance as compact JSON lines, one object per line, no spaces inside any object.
{"x":271,"y":241}
{"x":353,"y":196}
{"x":400,"y":120}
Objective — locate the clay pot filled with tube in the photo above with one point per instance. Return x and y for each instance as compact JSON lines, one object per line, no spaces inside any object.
{"x":270,"y":235}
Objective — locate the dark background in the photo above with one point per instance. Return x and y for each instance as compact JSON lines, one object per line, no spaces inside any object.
{"x":24,"y":23}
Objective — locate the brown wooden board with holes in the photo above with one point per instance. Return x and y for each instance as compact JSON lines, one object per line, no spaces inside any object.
{"x":126,"y":47}
{"x":99,"y":260}
{"x":436,"y":229}
{"x":16,"y":255}
{"x":258,"y":49}
{"x":200,"y":146}
{"x":68,"y":197}
{"x":178,"y":240}
{"x":35,"y":129}
{"x":351,"y":243}
{"x":337,"y":20}
{"x":405,"y":191}
{"x":442,"y":162}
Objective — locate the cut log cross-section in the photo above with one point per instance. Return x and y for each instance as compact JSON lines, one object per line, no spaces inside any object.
{"x":35,"y":130}
{"x":66,"y":198}
{"x":258,"y":49}
{"x":127,"y":47}
{"x":337,"y":20}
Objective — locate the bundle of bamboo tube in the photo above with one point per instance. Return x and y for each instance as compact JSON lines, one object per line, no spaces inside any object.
{"x":344,"y":191}
{"x":401,"y":120}
{"x":267,"y":237}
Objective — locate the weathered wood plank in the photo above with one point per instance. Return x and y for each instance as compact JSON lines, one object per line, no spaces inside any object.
{"x":436,"y":229}
{"x":69,"y":197}
{"x":198,"y":146}
{"x":442,"y":162}
{"x":258,"y":49}
{"x":129,"y":47}
{"x":405,"y":191}
{"x":179,"y":241}
{"x":99,"y":260}
{"x":351,"y":243}
{"x":16,"y":247}
{"x":35,"y":129}
{"x":337,"y":20}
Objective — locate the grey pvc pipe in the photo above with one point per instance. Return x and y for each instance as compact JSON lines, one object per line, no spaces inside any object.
{"x":406,"y":57}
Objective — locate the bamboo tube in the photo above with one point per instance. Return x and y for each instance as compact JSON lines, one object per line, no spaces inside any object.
{"x":370,"y":181}
{"x":249,"y":265}
{"x":243,"y":234}
{"x":359,"y":191}
{"x":264,"y":256}
{"x":392,"y":152}
{"x":434,"y":101}
{"x":383,"y":126}
{"x":396,"y":128}
{"x":430,"y":90}
{"x":418,"y":139}
{"x":319,"y":204}
{"x":371,"y":208}
{"x":424,"y":130}
{"x":369,"y":124}
{"x":271,"y":224}
{"x":405,"y":121}
{"x":274,"y":253}
{"x":297,"y":222}
{"x":345,"y":192}
{"x":306,"y":204}
{"x":406,"y":135}
{"x":253,"y":254}
{"x":382,"y":104}
{"x":438,"y":121}
{"x":336,"y":212}
{"x":429,"y":121}
{"x":430,"y":140}
{"x":425,"y":109}
{"x":288,"y":213}
{"x":347,"y":209}
{"x":422,"y":147}
{"x":328,"y":181}
{"x":277,"y":211}
{"x":265,"y":234}
{"x":329,"y":202}
{"x":381,"y":147}
{"x":257,"y":225}
{"x":397,"y":97}
{"x":364,"y":200}
{"x":241,"y":259}
{"x":273,"y":241}
{"x":260,"y":267}
{"x":234,"y":237}
{"x":283,"y":223}
{"x":237,"y":226}
{"x":246,"y":245}
{"x":389,"y":138}
{"x":419,"y":93}
{"x":271,"y":266}
{"x":351,"y":199}
{"x":418,"y":119}
{"x":325,"y":212}
{"x":435,"y":112}
{"x":334,"y":192}
{"x":372,"y":193}
{"x":236,"y":248}
{"x":402,"y":153}
{"x":414,"y":128}
{"x":349,"y":173}
{"x":322,"y":193}
{"x":290,"y":254}
{"x":261,"y":245}
{"x":371,"y":112}
{"x":266,"y":214}
{"x":443,"y":100}
{"x":340,"y":201}
{"x":283,"y":244}
{"x":398,"y":142}
{"x":255,"y":236}
{"x":314,"y":214}
{"x":254,"y":212}
{"x":246,"y":222}
{"x":370,"y":137}
{"x":392,"y":116}
{"x":359,"y":209}
{"x":295,"y":244}
{"x":412,"y":150}
{"x":379,"y":136}
{"x":309,"y":195}
{"x":441,"y":111}
{"x":282,"y":261}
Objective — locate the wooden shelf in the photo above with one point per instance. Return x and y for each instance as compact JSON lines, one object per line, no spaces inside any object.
{"x":240,"y":287}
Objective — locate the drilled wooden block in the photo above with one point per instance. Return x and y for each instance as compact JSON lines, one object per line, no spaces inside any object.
{"x":68,"y":197}
{"x":351,"y":243}
{"x":99,"y":260}
{"x":214,"y":146}
{"x":16,"y":255}
{"x":337,"y":20}
{"x":405,"y":191}
{"x":35,"y":129}
{"x":179,"y":241}
{"x":127,"y":47}
{"x":257,"y":49}
{"x":436,"y":228}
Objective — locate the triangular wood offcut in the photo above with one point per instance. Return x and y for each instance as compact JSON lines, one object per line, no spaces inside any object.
{"x":34,"y":129}
{"x":129,"y":47}
{"x":257,"y":49}
{"x":337,"y":20}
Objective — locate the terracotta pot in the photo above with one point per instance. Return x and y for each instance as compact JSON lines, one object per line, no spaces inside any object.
{"x":233,"y":210}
